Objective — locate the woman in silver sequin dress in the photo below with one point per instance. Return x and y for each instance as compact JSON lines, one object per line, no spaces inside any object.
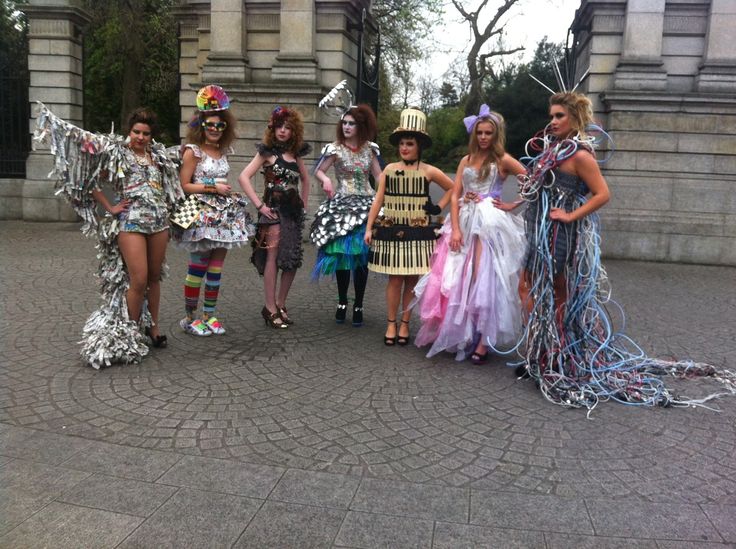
{"x":339,"y":224}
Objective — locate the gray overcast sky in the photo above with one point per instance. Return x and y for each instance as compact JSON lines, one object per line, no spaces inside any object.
{"x":527,"y":23}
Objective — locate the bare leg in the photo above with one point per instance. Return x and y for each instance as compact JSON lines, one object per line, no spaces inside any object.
{"x":270,"y":273}
{"x":560,"y":290}
{"x":393,"y":296}
{"x":407,"y":295}
{"x":481,"y":348}
{"x":287,"y":277}
{"x":133,"y":248}
{"x":156,"y":254}
{"x":525,"y":286}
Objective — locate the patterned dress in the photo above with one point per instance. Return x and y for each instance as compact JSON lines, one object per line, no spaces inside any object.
{"x":281,"y":194}
{"x":223,"y":221}
{"x":339,"y":224}
{"x":147,"y":212}
{"x":403,"y":239}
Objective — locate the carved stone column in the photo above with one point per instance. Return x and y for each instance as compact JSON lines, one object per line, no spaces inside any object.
{"x":718,"y":70}
{"x":296,"y":61}
{"x":55,"y":66}
{"x":227,"y":60}
{"x":640,"y":66}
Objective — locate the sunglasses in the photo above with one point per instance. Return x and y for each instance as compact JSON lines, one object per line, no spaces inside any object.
{"x":349,"y":123}
{"x":217,"y":126}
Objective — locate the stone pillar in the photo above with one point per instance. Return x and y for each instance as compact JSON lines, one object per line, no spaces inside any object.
{"x":718,"y":70}
{"x":640,"y":66}
{"x":227,"y":60}
{"x":55,"y":67}
{"x":296,"y":61}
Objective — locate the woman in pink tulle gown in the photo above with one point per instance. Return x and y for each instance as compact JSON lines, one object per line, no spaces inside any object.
{"x":468,"y":300}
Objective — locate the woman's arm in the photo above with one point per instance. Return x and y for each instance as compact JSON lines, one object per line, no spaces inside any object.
{"x":245,"y":183}
{"x":586,"y":169}
{"x":375,"y":208}
{"x":321,"y":174}
{"x":115,"y":209}
{"x":188,"y":165}
{"x":508,"y":165}
{"x":456,"y":238}
{"x":304,"y":176}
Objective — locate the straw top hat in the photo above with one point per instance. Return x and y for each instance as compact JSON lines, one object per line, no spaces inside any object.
{"x":413,"y":123}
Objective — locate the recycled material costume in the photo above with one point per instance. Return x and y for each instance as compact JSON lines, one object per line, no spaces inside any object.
{"x":576,"y":358}
{"x":82,"y":162}
{"x":468,"y":295}
{"x":403,"y":239}
{"x":222,"y":222}
{"x":339,"y":224}
{"x":281,"y":194}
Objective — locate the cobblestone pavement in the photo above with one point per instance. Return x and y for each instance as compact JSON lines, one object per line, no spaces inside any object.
{"x":321,"y":436}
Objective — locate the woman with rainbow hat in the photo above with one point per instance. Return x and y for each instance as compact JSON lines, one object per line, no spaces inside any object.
{"x":222,"y":222}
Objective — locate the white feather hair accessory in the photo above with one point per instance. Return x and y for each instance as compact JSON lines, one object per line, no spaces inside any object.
{"x":339,"y":98}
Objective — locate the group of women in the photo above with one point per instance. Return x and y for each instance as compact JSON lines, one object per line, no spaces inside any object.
{"x":475,"y":280}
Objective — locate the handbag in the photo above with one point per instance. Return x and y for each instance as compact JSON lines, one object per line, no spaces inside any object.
{"x":186,"y":211}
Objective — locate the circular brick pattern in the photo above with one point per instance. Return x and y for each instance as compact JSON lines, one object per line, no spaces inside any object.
{"x":334,"y":398}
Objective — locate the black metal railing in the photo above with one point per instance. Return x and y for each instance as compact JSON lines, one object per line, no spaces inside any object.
{"x":15,"y":139}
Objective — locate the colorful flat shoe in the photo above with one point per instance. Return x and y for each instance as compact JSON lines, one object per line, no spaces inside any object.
{"x":214,"y":325}
{"x":195,"y":327}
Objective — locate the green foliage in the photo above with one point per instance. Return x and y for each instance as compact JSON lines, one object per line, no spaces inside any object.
{"x":449,"y":138}
{"x":132,"y":60}
{"x":522,"y":101}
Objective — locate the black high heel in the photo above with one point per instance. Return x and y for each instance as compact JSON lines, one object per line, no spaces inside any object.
{"x":284,"y":314}
{"x":272,"y":318}
{"x":403,"y":340}
{"x":341,"y":312}
{"x":390,"y":341}
{"x":159,"y":341}
{"x":357,"y":316}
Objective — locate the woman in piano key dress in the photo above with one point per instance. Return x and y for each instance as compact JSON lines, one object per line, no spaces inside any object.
{"x":402,"y":238}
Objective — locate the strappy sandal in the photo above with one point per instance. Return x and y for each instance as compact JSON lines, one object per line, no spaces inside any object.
{"x":390,"y":341}
{"x":479,"y":358}
{"x":273,"y":319}
{"x":284,"y":314}
{"x":159,"y":341}
{"x":403,"y":340}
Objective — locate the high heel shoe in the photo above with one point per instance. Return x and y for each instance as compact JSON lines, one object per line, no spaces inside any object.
{"x":273,"y":319}
{"x":357,"y":316}
{"x":341,"y":312}
{"x":159,"y":341}
{"x":390,"y":341}
{"x":403,"y":340}
{"x":284,"y":314}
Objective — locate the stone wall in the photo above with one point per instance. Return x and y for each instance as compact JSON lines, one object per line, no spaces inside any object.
{"x":663,"y":83}
{"x":288,"y":52}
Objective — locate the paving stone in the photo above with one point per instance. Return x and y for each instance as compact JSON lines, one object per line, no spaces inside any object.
{"x":313,"y":488}
{"x":723,"y":518}
{"x":39,"y":446}
{"x":565,"y":541}
{"x":131,"y":497}
{"x":673,"y":521}
{"x":195,"y":518}
{"x":461,"y":536}
{"x":369,"y":530}
{"x":64,"y":525}
{"x":280,"y":524}
{"x":412,"y":500}
{"x":122,"y":461}
{"x":223,"y":476}
{"x":529,"y":512}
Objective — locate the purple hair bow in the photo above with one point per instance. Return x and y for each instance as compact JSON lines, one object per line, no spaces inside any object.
{"x":484,"y":112}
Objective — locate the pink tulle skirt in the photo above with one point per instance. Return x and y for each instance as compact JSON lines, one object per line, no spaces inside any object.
{"x":473,"y":293}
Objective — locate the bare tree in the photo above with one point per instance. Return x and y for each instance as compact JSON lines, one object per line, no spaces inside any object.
{"x":479,"y":66}
{"x":428,"y":94}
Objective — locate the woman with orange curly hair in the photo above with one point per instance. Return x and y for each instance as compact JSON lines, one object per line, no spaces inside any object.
{"x":278,"y":244}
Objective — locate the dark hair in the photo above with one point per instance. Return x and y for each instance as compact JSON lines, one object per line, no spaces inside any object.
{"x":366,"y":124}
{"x":285,"y":116}
{"x":195,"y":132}
{"x":143,"y":115}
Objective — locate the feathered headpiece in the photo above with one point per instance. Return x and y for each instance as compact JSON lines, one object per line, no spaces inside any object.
{"x":212,"y":98}
{"x":484,"y":113}
{"x":339,"y":98}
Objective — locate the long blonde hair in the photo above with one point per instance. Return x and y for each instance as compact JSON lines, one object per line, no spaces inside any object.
{"x":579,"y":109}
{"x":498,"y":146}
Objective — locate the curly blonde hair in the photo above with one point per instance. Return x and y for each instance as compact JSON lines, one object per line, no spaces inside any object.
{"x":578,"y":107}
{"x":498,"y":146}
{"x":285,"y":116}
